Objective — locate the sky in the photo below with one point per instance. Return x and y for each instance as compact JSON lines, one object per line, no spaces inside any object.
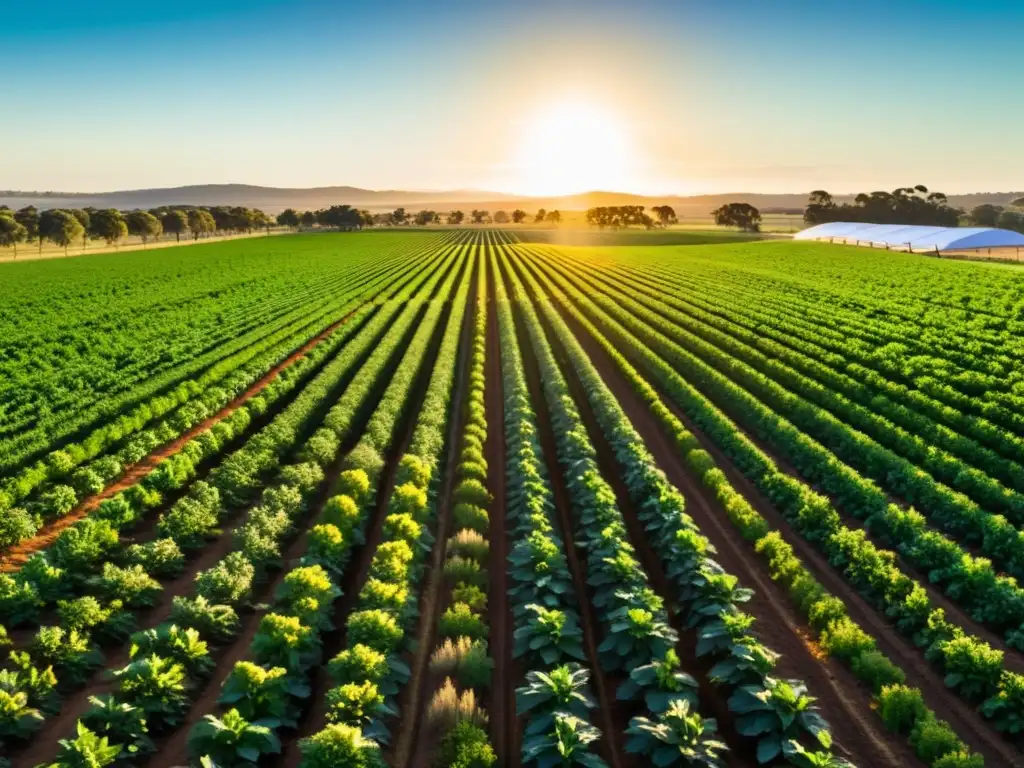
{"x":532,"y":97}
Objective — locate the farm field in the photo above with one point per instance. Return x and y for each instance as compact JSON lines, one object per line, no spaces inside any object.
{"x":430,"y":498}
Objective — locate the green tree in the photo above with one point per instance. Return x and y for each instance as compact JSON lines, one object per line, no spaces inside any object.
{"x":666,"y":214}
{"x":60,"y":227}
{"x":455,"y":218}
{"x":144,"y":224}
{"x":12,"y":231}
{"x":1018,"y":203}
{"x":500,"y":217}
{"x":518,"y":216}
{"x":540,"y":217}
{"x":288,"y":218}
{"x":83,"y":218}
{"x":553,"y":217}
{"x":477,"y":217}
{"x":399,"y":216}
{"x":28,"y":217}
{"x":1011,"y":220}
{"x":175,"y":222}
{"x":107,"y":225}
{"x":741,"y":215}
{"x":308,"y":218}
{"x":985,"y":215}
{"x":201,"y":222}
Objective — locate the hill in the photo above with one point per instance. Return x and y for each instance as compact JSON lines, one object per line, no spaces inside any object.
{"x":275,"y":199}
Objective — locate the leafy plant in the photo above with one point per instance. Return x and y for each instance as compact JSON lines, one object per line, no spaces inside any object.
{"x":465,"y":746}
{"x":232,"y":740}
{"x":155,"y":685}
{"x":284,"y":641}
{"x":86,"y":750}
{"x":159,"y":557}
{"x":229,"y":582}
{"x":185,"y":646}
{"x":17,"y":719}
{"x":340,"y":745}
{"x":357,"y":664}
{"x":564,"y":689}
{"x":550,"y":633}
{"x":70,"y":651}
{"x":132,"y":585}
{"x":778,"y":712}
{"x":217,"y":622}
{"x":267,"y":695}
{"x":355,"y":704}
{"x":464,"y":659}
{"x":460,"y":621}
{"x":676,"y":736}
{"x":660,"y":683}
{"x":374,"y":629}
{"x":566,"y":743}
{"x":121,"y":722}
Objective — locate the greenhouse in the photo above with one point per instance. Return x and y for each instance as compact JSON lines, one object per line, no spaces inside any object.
{"x":903,"y":237}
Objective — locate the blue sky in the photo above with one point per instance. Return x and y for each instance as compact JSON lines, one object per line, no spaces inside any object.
{"x":710,"y":96}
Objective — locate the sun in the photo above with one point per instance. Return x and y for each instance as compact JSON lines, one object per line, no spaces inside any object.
{"x":570,"y":147}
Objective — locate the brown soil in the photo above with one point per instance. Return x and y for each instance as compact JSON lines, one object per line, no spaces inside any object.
{"x":504,"y":725}
{"x":837,"y":689}
{"x":613,"y":718}
{"x":19,"y":554}
{"x":411,"y":701}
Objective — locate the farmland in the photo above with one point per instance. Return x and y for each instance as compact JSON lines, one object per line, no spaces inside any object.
{"x":473,"y":497}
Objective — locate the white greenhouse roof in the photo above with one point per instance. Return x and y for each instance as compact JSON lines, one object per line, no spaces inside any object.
{"x":902,"y":236}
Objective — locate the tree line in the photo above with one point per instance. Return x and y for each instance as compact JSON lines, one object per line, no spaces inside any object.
{"x":66,"y":226}
{"x":912,"y":205}
{"x":623,"y":216}
{"x":904,"y":205}
{"x":347,"y":217}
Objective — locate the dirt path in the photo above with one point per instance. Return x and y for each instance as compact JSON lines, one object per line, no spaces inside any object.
{"x":411,"y":700}
{"x":858,"y":728}
{"x":611,"y":718}
{"x":504,"y":725}
{"x":18,"y":555}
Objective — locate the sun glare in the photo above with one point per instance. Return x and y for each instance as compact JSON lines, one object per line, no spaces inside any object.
{"x":573,"y":147}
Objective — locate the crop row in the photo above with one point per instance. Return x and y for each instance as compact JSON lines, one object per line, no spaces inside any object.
{"x":840,"y":637}
{"x":549,"y":635}
{"x":710,"y":598}
{"x":59,"y":499}
{"x":973,"y":668}
{"x":155,"y":334}
{"x":195,"y":518}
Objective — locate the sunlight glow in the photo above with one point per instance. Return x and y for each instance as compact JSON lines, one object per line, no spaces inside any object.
{"x":571,"y":147}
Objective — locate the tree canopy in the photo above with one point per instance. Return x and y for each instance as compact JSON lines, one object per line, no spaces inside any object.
{"x":741,"y":215}
{"x":175,"y":222}
{"x":107,"y":225}
{"x":12,"y":231}
{"x":143,"y":224}
{"x":60,"y":227}
{"x":617,"y":216}
{"x":904,"y":205}
{"x":518,"y":216}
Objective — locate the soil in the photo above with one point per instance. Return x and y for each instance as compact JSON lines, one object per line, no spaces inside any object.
{"x":411,"y":700}
{"x":611,"y":714}
{"x":778,"y":624}
{"x":505,"y":727}
{"x":18,"y":555}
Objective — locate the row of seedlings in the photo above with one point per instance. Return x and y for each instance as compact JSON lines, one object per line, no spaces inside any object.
{"x":901,"y":708}
{"x":369,"y":671}
{"x":548,"y":637}
{"x":210,"y":616}
{"x":460,"y":658}
{"x":52,"y":486}
{"x":972,"y":668}
{"x":709,"y":596}
{"x":52,"y":490}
